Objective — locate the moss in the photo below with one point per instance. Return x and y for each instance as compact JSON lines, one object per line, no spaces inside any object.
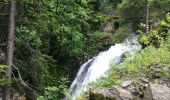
{"x":97,"y":96}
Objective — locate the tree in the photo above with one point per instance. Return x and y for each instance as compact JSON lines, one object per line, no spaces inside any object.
{"x":147,"y":16}
{"x":136,"y":11}
{"x":10,"y":49}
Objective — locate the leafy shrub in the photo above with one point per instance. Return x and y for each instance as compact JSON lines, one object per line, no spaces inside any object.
{"x":3,"y":80}
{"x":51,"y":93}
{"x":55,"y":92}
{"x":158,"y":34}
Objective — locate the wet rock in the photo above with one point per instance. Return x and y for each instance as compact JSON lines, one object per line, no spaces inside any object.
{"x":114,"y":93}
{"x":157,"y":92}
{"x":126,"y":84}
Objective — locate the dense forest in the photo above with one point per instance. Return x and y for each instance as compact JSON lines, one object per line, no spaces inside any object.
{"x":44,"y":42}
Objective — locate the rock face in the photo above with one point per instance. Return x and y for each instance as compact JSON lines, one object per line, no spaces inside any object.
{"x":126,"y":83}
{"x":124,"y":94}
{"x":108,"y":27}
{"x":114,"y":93}
{"x":157,"y":92}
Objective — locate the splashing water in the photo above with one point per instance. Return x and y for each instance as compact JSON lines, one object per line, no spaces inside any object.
{"x":99,"y":65}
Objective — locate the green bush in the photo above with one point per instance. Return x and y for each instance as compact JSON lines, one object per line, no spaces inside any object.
{"x":51,"y":93}
{"x":158,"y":33}
{"x":3,"y":80}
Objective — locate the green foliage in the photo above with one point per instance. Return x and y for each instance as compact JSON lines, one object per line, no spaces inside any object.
{"x":101,"y":17}
{"x":158,"y":34}
{"x":2,"y":67}
{"x":135,"y":8}
{"x":137,"y":11}
{"x":3,"y":80}
{"x":53,"y":36}
{"x":52,"y":93}
{"x":92,"y":43}
{"x":159,"y":8}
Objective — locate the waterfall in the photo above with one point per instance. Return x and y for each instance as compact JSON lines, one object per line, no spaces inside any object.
{"x":99,"y":65}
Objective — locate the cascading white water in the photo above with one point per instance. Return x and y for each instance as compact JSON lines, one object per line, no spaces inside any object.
{"x":99,"y":65}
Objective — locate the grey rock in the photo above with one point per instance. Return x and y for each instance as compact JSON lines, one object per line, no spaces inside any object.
{"x":104,"y":94}
{"x":114,"y":93}
{"x":126,"y":84}
{"x":143,"y":80}
{"x":124,"y":94}
{"x":157,"y":92}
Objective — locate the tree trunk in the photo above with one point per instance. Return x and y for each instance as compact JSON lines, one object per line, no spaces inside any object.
{"x":10,"y":49}
{"x":147,"y":17}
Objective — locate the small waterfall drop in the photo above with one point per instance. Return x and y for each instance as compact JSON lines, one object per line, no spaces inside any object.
{"x":99,"y":65}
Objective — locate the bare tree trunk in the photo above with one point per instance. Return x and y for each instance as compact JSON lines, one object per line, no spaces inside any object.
{"x":147,"y":17}
{"x":10,"y":49}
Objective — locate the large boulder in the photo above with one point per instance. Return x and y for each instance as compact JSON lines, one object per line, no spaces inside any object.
{"x":114,"y":93}
{"x":157,"y":92}
{"x":124,"y":94}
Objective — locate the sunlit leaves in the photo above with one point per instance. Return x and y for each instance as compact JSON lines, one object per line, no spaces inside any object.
{"x":2,"y":68}
{"x":29,"y":36}
{"x":158,"y":34}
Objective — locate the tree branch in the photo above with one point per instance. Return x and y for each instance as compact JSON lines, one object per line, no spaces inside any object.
{"x":20,"y":78}
{"x":2,"y":44}
{"x":4,"y":4}
{"x":4,"y":14}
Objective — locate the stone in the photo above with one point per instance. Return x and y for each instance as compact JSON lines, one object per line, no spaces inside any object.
{"x":108,"y":27}
{"x":124,"y":94}
{"x":114,"y":93}
{"x":104,"y":94}
{"x":143,"y":80}
{"x":126,"y":84}
{"x":157,"y":92}
{"x":168,"y":83}
{"x":136,"y":91}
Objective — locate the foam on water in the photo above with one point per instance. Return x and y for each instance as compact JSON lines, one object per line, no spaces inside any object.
{"x":99,"y":65}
